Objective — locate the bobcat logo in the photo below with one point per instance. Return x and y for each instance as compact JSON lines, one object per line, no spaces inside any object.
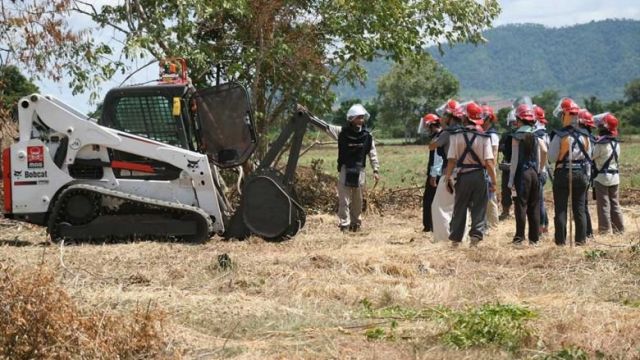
{"x":192,"y":164}
{"x":17,"y":173}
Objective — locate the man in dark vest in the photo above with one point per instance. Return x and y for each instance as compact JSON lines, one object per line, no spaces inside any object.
{"x":505,"y":148}
{"x":434,"y":170}
{"x":570,"y":150}
{"x":355,"y":143}
{"x":471,"y":156}
{"x":529,"y":154}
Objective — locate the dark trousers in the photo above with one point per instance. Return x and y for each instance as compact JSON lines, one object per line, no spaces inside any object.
{"x":527,"y":205}
{"x":505,"y":192}
{"x":586,"y":212}
{"x":427,"y":200}
{"x":544,"y":219}
{"x":471,"y":194}
{"x":561,"y":198}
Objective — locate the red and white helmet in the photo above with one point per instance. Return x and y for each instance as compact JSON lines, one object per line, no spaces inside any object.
{"x":586,"y":118}
{"x":488,"y":114}
{"x":608,"y":121}
{"x":451,"y":107}
{"x":524,"y":112}
{"x":431,"y":119}
{"x":474,"y":113}
{"x":566,"y":105}
{"x":539,"y":114}
{"x":611,"y":124}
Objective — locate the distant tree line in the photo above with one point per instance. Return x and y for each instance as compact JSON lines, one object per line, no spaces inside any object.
{"x":405,"y":95}
{"x":627,"y":109}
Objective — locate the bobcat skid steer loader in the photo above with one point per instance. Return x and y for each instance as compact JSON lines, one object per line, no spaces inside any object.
{"x":149,"y":167}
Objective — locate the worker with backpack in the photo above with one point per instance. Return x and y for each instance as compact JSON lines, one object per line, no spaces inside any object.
{"x":528,"y":157}
{"x":606,"y":152}
{"x":570,"y":151}
{"x":471,"y":156}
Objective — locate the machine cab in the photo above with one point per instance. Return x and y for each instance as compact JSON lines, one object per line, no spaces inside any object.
{"x":217,"y":120}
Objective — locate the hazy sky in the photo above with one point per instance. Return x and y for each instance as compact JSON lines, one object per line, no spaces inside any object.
{"x":556,"y":13}
{"x":552,"y":13}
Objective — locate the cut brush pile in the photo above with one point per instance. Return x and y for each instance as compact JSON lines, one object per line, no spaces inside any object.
{"x":39,"y":320}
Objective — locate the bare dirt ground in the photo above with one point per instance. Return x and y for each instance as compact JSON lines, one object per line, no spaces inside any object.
{"x":304,"y":298}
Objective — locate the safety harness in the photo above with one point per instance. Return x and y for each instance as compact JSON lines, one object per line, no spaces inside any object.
{"x":614,"y":155}
{"x":575,"y":134}
{"x":540,"y":133}
{"x":468,"y":150}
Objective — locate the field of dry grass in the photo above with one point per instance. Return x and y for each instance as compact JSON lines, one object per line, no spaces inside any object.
{"x":384,"y":293}
{"x":387,"y":292}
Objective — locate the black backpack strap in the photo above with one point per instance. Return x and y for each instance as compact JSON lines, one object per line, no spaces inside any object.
{"x":580,"y":145}
{"x":468,"y":150}
{"x":613,"y":156}
{"x":583,"y":150}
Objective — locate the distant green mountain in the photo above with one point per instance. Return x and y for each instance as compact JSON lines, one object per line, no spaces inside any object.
{"x":597,"y":58}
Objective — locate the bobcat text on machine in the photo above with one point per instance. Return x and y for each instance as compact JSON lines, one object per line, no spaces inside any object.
{"x":149,"y":167}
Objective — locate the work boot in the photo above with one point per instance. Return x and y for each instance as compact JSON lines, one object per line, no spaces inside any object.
{"x":474,"y":241}
{"x":344,"y":228}
{"x":504,"y":216}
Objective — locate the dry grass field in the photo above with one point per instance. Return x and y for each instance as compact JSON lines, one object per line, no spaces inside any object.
{"x":387,"y":292}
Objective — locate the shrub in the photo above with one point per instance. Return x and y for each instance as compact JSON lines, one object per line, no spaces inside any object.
{"x":39,"y":320}
{"x":490,"y":324}
{"x":571,"y":353}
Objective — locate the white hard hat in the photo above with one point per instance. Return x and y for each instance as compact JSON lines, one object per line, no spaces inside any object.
{"x":357,"y":110}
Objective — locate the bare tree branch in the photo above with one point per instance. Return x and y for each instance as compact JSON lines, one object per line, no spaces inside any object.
{"x":140,"y":68}
{"x":94,"y":13}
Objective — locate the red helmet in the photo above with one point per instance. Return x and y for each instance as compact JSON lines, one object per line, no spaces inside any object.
{"x":452,"y":107}
{"x":611,"y":123}
{"x":474,"y":113}
{"x":488,"y":114}
{"x":455,"y":109}
{"x":538,"y":112}
{"x":586,"y":118}
{"x":430,"y":119}
{"x":569,"y":106}
{"x":524,"y":112}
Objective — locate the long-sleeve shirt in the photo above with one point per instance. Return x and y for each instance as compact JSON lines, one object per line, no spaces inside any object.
{"x":602,"y":152}
{"x":435,"y":170}
{"x":434,"y":165}
{"x":334,"y":131}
